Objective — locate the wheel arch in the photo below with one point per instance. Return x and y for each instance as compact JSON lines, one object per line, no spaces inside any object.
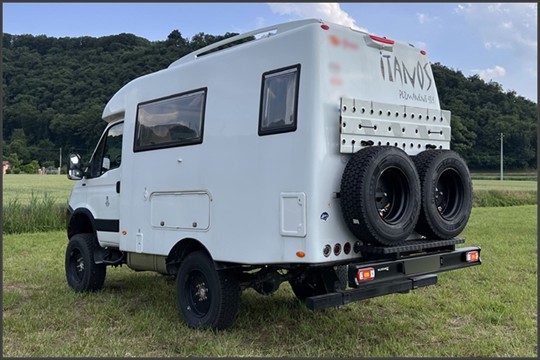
{"x":180,"y":250}
{"x":80,"y":221}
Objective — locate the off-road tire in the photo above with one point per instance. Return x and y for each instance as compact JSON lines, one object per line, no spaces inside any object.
{"x":82,"y":274}
{"x":206,"y":297}
{"x":446,"y":188}
{"x":380,"y":195}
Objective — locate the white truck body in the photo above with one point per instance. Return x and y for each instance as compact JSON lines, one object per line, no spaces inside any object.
{"x":256,"y":199}
{"x":282,"y":154}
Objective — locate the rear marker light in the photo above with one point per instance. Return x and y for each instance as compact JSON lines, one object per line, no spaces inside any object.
{"x":347,"y":248}
{"x":423,"y":52}
{"x":325,"y":27}
{"x":472,"y":256}
{"x":364,"y":275}
{"x":337,"y":249}
{"x":326,"y":251}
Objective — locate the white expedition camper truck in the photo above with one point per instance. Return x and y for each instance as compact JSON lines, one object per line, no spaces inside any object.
{"x":306,"y":152}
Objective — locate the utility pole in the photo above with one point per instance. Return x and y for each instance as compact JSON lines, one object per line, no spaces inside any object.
{"x":501,"y":135}
{"x":60,"y":164}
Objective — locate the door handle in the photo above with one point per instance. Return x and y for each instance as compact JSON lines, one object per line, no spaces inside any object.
{"x":118,"y":187}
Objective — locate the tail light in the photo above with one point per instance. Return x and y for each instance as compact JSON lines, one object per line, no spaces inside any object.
{"x":472,"y":256}
{"x":365,"y":274}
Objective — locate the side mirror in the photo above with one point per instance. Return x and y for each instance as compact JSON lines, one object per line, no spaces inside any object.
{"x":75,"y":171}
{"x":106,"y":164}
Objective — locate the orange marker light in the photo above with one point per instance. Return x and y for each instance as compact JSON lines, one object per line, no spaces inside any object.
{"x":472,"y":256}
{"x":124,"y":232}
{"x":300,"y":254}
{"x":365,"y":275}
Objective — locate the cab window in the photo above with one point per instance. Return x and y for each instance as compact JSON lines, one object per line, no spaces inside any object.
{"x":108,"y":154}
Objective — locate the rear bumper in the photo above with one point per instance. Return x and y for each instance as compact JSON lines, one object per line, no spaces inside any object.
{"x":395,"y":276}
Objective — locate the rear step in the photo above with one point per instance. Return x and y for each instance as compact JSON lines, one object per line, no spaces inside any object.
{"x":343,"y":297}
{"x":409,"y":247}
{"x":399,"y":275}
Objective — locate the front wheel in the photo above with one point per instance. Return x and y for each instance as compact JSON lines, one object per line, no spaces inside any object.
{"x":82,"y":273}
{"x":206,"y":297}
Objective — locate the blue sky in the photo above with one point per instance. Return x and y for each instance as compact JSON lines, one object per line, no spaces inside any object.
{"x":498,"y":41}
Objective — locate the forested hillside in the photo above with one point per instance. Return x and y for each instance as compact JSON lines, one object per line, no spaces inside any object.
{"x":55,"y":89}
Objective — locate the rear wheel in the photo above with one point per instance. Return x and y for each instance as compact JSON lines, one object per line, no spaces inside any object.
{"x":81,"y":272}
{"x":380,"y":195}
{"x":206,"y":297}
{"x":446,"y":193}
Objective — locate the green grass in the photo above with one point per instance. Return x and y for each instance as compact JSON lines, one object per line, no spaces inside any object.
{"x":492,"y":193}
{"x":484,"y":311}
{"x":33,"y":203}
{"x":505,"y":185}
{"x":507,"y":175}
{"x":41,"y":213}
{"x":22,"y":187}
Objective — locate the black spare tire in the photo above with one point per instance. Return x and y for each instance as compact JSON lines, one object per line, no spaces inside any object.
{"x":380,"y":195}
{"x":446,"y":193}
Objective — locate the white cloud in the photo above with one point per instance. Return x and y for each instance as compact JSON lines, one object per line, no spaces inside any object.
{"x":509,"y":32}
{"x":504,"y":25}
{"x":425,"y":18}
{"x":490,"y":73}
{"x":331,"y":12}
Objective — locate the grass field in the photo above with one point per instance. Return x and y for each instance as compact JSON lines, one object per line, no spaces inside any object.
{"x":484,"y":311}
{"x":22,"y":187}
{"x":505,"y":185}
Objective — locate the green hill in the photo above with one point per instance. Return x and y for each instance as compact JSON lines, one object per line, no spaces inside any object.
{"x":55,"y":89}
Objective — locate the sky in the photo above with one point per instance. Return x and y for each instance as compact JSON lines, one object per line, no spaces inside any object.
{"x":497,"y":41}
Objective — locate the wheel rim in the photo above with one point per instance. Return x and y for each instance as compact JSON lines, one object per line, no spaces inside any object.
{"x":76,"y":264}
{"x":448,"y":194}
{"x":198,"y":293}
{"x":391,"y":193}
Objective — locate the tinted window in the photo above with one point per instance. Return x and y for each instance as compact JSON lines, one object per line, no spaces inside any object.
{"x":172,"y":121}
{"x":279,"y":98}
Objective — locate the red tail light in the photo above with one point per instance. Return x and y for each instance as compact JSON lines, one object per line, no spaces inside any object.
{"x":382,"y":39}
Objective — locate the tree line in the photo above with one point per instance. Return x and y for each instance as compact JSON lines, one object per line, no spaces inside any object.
{"x":54,"y":91}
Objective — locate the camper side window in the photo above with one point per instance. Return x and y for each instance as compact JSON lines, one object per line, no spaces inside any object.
{"x":173,"y":121}
{"x":279,"y":101}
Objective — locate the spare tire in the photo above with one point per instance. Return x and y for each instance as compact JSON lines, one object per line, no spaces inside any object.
{"x":380,"y":195}
{"x":446,"y":193}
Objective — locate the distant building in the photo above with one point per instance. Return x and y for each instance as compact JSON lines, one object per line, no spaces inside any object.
{"x":5,"y":166}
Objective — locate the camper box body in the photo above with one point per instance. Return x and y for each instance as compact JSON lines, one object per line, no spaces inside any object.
{"x":306,"y":152}
{"x":251,"y":197}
